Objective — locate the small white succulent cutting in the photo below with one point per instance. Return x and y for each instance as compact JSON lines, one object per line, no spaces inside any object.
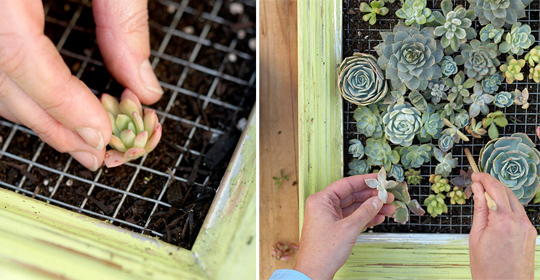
{"x":381,"y":184}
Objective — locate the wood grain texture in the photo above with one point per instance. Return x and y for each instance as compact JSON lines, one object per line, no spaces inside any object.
{"x":278,"y":129}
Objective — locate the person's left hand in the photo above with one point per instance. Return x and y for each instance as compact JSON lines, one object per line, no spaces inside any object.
{"x":334,"y":217}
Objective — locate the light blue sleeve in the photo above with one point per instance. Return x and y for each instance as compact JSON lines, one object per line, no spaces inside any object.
{"x":288,"y":274}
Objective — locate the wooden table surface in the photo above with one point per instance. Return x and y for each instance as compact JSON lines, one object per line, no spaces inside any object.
{"x":278,"y":130}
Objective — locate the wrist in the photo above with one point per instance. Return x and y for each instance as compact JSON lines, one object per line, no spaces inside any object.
{"x":314,"y":272}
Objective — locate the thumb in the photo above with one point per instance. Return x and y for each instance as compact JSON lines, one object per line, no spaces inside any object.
{"x":365,"y":213}
{"x":481,"y":210}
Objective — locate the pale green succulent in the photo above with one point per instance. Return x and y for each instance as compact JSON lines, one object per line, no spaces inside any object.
{"x":479,"y":59}
{"x":499,"y":12}
{"x":534,"y":73}
{"x":410,"y":56}
{"x":436,"y":205}
{"x":448,"y":138}
{"x":415,"y":155}
{"x":358,"y":167}
{"x":381,"y":184}
{"x":448,"y":66}
{"x":522,"y":98}
{"x":415,"y":12}
{"x":459,"y":89}
{"x":413,"y":176}
{"x":462,"y":119}
{"x":437,"y":89}
{"x":369,"y":121}
{"x":514,"y":161}
{"x":380,"y":153}
{"x":446,"y":163}
{"x":504,"y":99}
{"x":361,"y":81}
{"x":511,"y":70}
{"x":454,"y":26}
{"x":401,"y":123}
{"x":491,"y":122}
{"x":418,"y":100}
{"x":457,"y":196}
{"x":397,"y":173}
{"x":476,"y":129}
{"x":372,"y":10}
{"x":356,"y":148}
{"x":439,"y":184}
{"x":432,"y":125}
{"x":489,"y":32}
{"x":491,"y":83}
{"x":396,"y":96}
{"x":518,"y":39}
{"x":404,"y":204}
{"x":479,"y":101}
{"x":533,"y":56}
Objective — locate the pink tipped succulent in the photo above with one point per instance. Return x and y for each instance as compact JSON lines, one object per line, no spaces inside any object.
{"x":134,"y":133}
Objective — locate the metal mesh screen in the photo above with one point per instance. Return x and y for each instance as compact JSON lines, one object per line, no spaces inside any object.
{"x":359,"y":36}
{"x":204,"y":58}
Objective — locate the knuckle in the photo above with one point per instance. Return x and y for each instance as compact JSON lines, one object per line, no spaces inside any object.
{"x":136,"y":22}
{"x":12,"y":57}
{"x":49,"y":132}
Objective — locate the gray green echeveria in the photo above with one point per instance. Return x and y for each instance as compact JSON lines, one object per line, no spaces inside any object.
{"x":432,"y":125}
{"x":369,"y":121}
{"x":446,"y":163}
{"x":397,"y":173}
{"x":401,"y":123}
{"x":410,"y":56}
{"x":448,"y":66}
{"x":356,"y":148}
{"x":514,"y":161}
{"x":435,"y":205}
{"x":459,"y":89}
{"x":361,"y":81}
{"x":504,"y":99}
{"x":413,"y":176}
{"x":491,"y":83}
{"x":381,"y":185}
{"x":448,"y":138}
{"x":489,"y":32}
{"x":358,"y":167}
{"x":462,"y":119}
{"x":479,"y":58}
{"x":380,"y":153}
{"x":415,"y":12}
{"x":416,"y":155}
{"x":372,"y":10}
{"x":479,"y":101}
{"x":499,"y":12}
{"x":511,"y":70}
{"x":404,"y":204}
{"x":437,"y":89}
{"x":454,"y":26}
{"x":533,"y":56}
{"x":522,"y":98}
{"x":518,"y":39}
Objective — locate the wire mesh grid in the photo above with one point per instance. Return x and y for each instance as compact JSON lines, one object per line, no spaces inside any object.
{"x":197,"y":61}
{"x":359,"y":36}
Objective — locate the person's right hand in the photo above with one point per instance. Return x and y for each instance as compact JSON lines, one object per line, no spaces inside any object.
{"x":502,"y":242}
{"x":38,"y":90}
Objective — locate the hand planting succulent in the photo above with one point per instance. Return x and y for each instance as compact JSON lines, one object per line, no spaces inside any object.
{"x":454,"y":26}
{"x":397,"y":173}
{"x":511,"y":70}
{"x":414,"y":156}
{"x":518,"y":39}
{"x":476,"y":129}
{"x":361,"y":81}
{"x":522,"y":98}
{"x":415,"y":12}
{"x":448,"y":66}
{"x":356,"y":148}
{"x":504,"y":99}
{"x":490,"y":84}
{"x":499,"y":12}
{"x":513,"y":161}
{"x":462,"y":119}
{"x":410,"y":56}
{"x":493,"y":120}
{"x":401,"y":123}
{"x":380,"y":153}
{"x":435,"y":205}
{"x":413,"y":176}
{"x":369,"y":121}
{"x":533,"y":56}
{"x":439,"y":184}
{"x":134,"y":134}
{"x":404,"y":204}
{"x":358,"y":167}
{"x":479,"y":101}
{"x":457,"y":196}
{"x":432,"y":126}
{"x":479,"y":59}
{"x":372,"y":10}
{"x":489,"y":32}
{"x":446,"y":163}
{"x":464,"y":182}
{"x":381,"y":185}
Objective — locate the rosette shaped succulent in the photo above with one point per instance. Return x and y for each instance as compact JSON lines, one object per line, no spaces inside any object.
{"x":369,"y":121}
{"x":504,"y":99}
{"x":534,"y":73}
{"x":410,"y":56}
{"x":476,"y":129}
{"x":397,"y":173}
{"x":448,"y":66}
{"x":514,"y":161}
{"x":358,"y":167}
{"x":479,"y":101}
{"x":356,"y":148}
{"x":401,"y":123}
{"x":479,"y":58}
{"x":459,"y":89}
{"x":499,"y":12}
{"x":437,"y":89}
{"x":413,"y":176}
{"x":457,"y":196}
{"x":439,"y":184}
{"x":446,"y":163}
{"x":361,"y":81}
{"x":512,"y":69}
{"x":533,"y":56}
{"x":454,"y":26}
{"x":518,"y":39}
{"x":396,"y":96}
{"x":462,"y":119}
{"x":489,"y":32}
{"x":491,"y":83}
{"x":416,"y":155}
{"x":435,"y":205}
{"x":380,"y":153}
{"x":522,"y":98}
{"x":415,"y":12}
{"x":134,"y":133}
{"x":432,"y":125}
{"x":448,"y":138}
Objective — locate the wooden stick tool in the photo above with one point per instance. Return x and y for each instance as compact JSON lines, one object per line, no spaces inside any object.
{"x":490,"y":202}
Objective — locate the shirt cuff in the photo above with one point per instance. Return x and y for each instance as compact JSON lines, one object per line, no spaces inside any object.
{"x":288,"y":274}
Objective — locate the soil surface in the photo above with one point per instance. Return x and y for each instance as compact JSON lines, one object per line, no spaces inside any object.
{"x":198,"y":139}
{"x":359,"y":36}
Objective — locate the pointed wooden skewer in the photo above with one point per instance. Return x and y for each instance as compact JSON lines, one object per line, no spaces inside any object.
{"x":490,"y":202}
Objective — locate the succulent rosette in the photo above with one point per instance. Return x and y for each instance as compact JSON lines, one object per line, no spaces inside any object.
{"x":513,"y":161}
{"x":479,"y":58}
{"x":361,"y":81}
{"x":134,"y":134}
{"x":499,"y":12}
{"x":402,"y":122}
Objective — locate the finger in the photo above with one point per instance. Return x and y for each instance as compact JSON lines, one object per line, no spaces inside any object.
{"x":481,"y":210}
{"x":360,"y":196}
{"x":124,"y":41}
{"x":379,"y":219}
{"x":514,"y":203}
{"x":30,"y":59}
{"x":349,"y":185}
{"x":365,"y":213}
{"x":495,"y":189}
{"x":386,"y":210}
{"x":6,"y":113}
{"x":29,"y":113}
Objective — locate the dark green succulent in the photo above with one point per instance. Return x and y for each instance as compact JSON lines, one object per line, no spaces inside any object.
{"x":511,"y":70}
{"x":356,"y":148}
{"x":401,"y":123}
{"x":415,"y":12}
{"x":413,"y":176}
{"x":380,"y":153}
{"x":504,"y":99}
{"x":490,"y":84}
{"x":518,"y":39}
{"x":415,"y":155}
{"x":491,"y":121}
{"x":372,"y":10}
{"x":479,"y":59}
{"x":446,"y":163}
{"x":436,"y":205}
{"x":489,"y":32}
{"x":499,"y":12}
{"x":533,"y":56}
{"x":479,"y":101}
{"x":410,"y":56}
{"x":454,"y":26}
{"x":369,"y":121}
{"x":448,"y":66}
{"x":358,"y":167}
{"x":361,"y":81}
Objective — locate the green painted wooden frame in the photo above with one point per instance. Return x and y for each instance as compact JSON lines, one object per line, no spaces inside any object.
{"x":377,"y":255}
{"x":41,"y":241}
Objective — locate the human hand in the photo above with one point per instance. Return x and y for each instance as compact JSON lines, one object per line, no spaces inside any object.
{"x":38,"y":90}
{"x":502,"y":242}
{"x":334,"y":218}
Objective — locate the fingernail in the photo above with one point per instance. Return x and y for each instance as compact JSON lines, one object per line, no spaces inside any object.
{"x":376,"y":203}
{"x":92,"y":137}
{"x":149,"y":79}
{"x":87,"y":159}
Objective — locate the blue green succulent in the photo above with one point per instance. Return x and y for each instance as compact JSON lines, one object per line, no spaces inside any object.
{"x":489,"y":32}
{"x":462,"y":119}
{"x":479,"y":59}
{"x":401,"y":123}
{"x":369,"y":121}
{"x":499,"y":12}
{"x":380,"y":153}
{"x":397,"y":172}
{"x":479,"y":101}
{"x":437,"y":89}
{"x":415,"y":155}
{"x":358,"y":167}
{"x":454,"y":26}
{"x":504,"y":99}
{"x":490,"y":84}
{"x":459,"y":89}
{"x":448,"y":66}
{"x":432,"y":125}
{"x":446,"y":163}
{"x":415,"y":12}
{"x":356,"y":148}
{"x":518,"y":39}
{"x":448,"y":138}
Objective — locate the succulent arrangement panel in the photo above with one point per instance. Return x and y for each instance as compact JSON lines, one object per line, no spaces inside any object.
{"x":422,"y":81}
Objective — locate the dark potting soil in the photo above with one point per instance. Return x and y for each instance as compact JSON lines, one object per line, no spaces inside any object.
{"x":359,"y":36}
{"x":205,"y":153}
